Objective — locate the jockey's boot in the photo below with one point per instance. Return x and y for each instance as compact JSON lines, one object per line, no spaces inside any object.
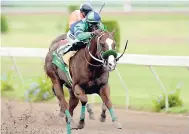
{"x":70,"y":47}
{"x":67,"y":48}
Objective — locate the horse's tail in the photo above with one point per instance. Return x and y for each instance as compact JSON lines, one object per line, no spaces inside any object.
{"x":45,"y":70}
{"x":48,"y":59}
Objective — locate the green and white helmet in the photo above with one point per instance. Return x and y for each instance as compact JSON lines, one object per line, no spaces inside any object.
{"x":93,"y":17}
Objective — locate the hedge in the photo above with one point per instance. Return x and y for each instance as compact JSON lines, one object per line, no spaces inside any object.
{"x":41,"y":90}
{"x":111,"y":25}
{"x":4,"y":24}
{"x":174,"y":100}
{"x":6,"y":82}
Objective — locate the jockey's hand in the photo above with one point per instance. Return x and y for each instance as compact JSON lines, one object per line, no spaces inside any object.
{"x":96,"y":32}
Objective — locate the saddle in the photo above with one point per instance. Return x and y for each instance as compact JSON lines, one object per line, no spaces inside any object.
{"x":63,"y":51}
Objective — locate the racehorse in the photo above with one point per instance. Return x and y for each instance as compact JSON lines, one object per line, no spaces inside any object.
{"x":58,"y":39}
{"x":89,"y":70}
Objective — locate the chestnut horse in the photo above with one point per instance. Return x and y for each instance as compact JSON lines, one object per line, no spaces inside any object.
{"x":89,"y":70}
{"x":58,"y":40}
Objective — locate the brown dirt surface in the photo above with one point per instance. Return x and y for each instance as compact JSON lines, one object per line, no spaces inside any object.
{"x":42,"y":118}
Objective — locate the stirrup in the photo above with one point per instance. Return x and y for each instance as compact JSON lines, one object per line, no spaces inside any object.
{"x":68,"y":49}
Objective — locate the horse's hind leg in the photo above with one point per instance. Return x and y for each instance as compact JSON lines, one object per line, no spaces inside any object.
{"x":90,"y":111}
{"x":63,"y":104}
{"x":57,"y":85}
{"x":103,"y":114}
{"x":61,"y":114}
{"x":73,"y":102}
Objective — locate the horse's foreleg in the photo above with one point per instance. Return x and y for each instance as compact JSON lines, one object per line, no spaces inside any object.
{"x":63,"y":104}
{"x":79,"y":93}
{"x":82,"y":115}
{"x":105,"y":95}
{"x":61,"y":114}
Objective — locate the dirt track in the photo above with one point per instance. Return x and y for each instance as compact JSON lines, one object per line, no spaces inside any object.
{"x":24,"y":118}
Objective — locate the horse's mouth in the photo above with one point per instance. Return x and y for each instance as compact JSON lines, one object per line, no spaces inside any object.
{"x":111,"y":68}
{"x":110,"y":64}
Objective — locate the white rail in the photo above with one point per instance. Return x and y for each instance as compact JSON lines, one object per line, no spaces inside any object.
{"x":137,"y":59}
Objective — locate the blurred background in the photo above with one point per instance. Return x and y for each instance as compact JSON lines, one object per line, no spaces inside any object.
{"x":154,"y":27}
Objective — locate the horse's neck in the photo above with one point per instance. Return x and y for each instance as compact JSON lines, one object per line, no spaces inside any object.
{"x":93,"y":47}
{"x":93,"y":50}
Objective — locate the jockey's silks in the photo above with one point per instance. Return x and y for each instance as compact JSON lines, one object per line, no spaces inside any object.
{"x":75,"y":17}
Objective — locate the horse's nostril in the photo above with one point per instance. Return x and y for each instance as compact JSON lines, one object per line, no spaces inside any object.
{"x":110,"y":64}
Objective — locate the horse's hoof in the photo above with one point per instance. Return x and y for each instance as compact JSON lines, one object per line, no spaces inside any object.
{"x":73,"y":125}
{"x":102,"y":119}
{"x":91,"y":116}
{"x":117,"y":125}
{"x":81,"y":124}
{"x":61,"y":114}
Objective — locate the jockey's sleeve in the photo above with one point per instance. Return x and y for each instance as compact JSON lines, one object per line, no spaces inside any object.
{"x":79,"y":32}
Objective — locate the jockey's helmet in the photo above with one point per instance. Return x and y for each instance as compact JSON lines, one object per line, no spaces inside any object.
{"x":93,"y":19}
{"x":85,"y":8}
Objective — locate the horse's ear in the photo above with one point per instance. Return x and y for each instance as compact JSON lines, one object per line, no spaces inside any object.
{"x":113,"y":32}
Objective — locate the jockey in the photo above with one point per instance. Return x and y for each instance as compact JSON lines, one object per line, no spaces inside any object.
{"x":77,"y":15}
{"x":84,"y":29}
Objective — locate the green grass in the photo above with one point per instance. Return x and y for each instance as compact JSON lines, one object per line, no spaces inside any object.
{"x":160,"y":34}
{"x":178,"y":110}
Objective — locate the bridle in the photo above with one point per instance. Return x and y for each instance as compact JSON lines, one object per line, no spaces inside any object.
{"x":87,"y":48}
{"x":102,"y":60}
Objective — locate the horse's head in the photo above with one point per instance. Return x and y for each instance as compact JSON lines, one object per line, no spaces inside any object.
{"x":105,"y":49}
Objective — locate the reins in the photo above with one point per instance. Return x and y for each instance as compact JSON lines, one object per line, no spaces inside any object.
{"x":89,"y":62}
{"x":93,"y":57}
{"x":102,"y":61}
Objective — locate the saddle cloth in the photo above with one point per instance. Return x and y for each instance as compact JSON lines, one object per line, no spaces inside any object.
{"x":61,"y":56}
